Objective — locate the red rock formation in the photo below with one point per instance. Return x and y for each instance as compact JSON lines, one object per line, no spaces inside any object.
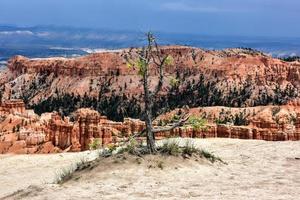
{"x":60,"y":132}
{"x":271,"y":123}
{"x":23,"y":132}
{"x":91,"y":65}
{"x":89,"y":125}
{"x":56,"y":134}
{"x":229,"y":68}
{"x":13,"y":106}
{"x":4,"y":146}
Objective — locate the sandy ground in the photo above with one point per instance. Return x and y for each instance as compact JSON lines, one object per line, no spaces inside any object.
{"x":255,"y":170}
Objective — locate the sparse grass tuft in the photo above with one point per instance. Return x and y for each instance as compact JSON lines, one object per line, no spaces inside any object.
{"x":81,"y":164}
{"x":170,"y":147}
{"x":198,"y":123}
{"x":189,"y":148}
{"x":95,"y":144}
{"x":139,"y":161}
{"x":209,"y":156}
{"x":111,"y":147}
{"x":160,"y":164}
{"x":66,"y":173}
{"x":133,"y":148}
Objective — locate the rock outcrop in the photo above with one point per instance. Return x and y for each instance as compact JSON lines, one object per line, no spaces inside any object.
{"x":22,"y":132}
{"x":243,"y":79}
{"x":271,"y":123}
{"x":13,"y":106}
{"x":234,"y":77}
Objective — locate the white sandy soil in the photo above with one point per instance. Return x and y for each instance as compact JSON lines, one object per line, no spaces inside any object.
{"x":255,"y":170}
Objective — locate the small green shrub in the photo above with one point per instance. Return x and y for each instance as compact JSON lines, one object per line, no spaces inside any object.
{"x":209,"y":156}
{"x":133,"y":147}
{"x":219,"y":121}
{"x":189,"y":148}
{"x":170,"y":147}
{"x":160,"y":164}
{"x":175,"y":118}
{"x":95,"y":144}
{"x":198,"y":123}
{"x":174,"y":82}
{"x":292,"y":119}
{"x":111,"y":147}
{"x":275,"y":110}
{"x":163,"y":122}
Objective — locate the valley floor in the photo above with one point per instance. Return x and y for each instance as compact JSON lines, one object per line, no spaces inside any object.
{"x":255,"y":170}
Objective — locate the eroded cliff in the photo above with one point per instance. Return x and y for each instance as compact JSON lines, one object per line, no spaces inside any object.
{"x":24,"y":132}
{"x":234,"y":77}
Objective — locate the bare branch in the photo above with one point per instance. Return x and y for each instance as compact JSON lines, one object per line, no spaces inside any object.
{"x":161,"y":76}
{"x":158,"y":51}
{"x":177,"y":124}
{"x":140,"y":134}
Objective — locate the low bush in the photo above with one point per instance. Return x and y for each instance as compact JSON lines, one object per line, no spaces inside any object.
{"x":198,"y":123}
{"x":189,"y":148}
{"x":95,"y":144}
{"x":160,"y":164}
{"x":209,"y":156}
{"x":133,"y":147}
{"x":170,"y":147}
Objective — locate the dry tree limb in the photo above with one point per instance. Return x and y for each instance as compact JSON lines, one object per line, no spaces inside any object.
{"x":173,"y":126}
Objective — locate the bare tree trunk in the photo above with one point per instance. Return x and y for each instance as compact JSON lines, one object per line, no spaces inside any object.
{"x":148,"y":113}
{"x":150,"y":136}
{"x":149,"y":57}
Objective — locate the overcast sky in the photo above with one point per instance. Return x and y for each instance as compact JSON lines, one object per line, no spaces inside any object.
{"x":215,"y":17}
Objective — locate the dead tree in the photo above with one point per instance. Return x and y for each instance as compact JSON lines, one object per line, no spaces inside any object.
{"x":146,"y":60}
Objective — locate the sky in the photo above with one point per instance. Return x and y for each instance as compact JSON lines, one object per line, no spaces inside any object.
{"x":278,"y":18}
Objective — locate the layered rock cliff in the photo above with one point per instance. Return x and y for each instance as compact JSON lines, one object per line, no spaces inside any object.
{"x":234,"y":77}
{"x":260,"y":94}
{"x":24,"y":132}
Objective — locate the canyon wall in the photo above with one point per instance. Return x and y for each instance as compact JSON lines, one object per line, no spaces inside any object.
{"x":233,"y":77}
{"x":262,"y":93}
{"x":23,"y":132}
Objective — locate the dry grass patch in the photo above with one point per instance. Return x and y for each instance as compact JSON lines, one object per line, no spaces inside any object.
{"x":172,"y":147}
{"x":168,"y":154}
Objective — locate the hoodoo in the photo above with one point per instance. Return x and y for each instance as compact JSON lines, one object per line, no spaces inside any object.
{"x":262,"y":91}
{"x":24,"y":132}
